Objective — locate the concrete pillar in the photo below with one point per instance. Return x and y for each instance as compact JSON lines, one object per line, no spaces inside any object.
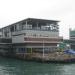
{"x":26,"y":24}
{"x":37,"y":25}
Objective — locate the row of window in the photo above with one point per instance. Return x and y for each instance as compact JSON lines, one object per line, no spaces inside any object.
{"x":28,"y":50}
{"x":21,"y":50}
{"x":18,"y":27}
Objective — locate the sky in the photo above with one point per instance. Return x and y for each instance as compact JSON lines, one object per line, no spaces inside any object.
{"x":12,"y":11}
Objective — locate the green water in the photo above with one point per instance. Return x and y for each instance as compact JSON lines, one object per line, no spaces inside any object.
{"x":20,"y":67}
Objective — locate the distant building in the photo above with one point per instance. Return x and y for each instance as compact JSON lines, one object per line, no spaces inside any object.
{"x":32,"y":35}
{"x":72,"y":38}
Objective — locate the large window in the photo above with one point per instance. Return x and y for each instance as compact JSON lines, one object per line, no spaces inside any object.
{"x":17,"y":27}
{"x":20,"y":26}
{"x":29,"y":27}
{"x":24,"y":26}
{"x":12,"y":28}
{"x":21,"y":50}
{"x":44,"y":27}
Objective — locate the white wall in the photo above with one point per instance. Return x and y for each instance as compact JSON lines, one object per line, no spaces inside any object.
{"x":18,"y":38}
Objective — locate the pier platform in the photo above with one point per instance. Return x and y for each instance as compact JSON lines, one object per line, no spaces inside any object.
{"x":50,"y":57}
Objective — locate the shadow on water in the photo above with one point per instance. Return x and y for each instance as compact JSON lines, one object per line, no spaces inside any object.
{"x":10,"y":66}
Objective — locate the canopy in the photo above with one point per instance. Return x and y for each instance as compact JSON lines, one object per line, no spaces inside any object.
{"x":70,"y":51}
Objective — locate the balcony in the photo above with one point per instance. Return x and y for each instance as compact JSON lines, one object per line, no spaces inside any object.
{"x":20,"y":27}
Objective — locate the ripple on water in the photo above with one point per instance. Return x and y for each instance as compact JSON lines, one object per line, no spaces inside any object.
{"x":19,"y":67}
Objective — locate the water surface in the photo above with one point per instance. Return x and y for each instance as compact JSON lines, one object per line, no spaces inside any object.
{"x":10,"y":66}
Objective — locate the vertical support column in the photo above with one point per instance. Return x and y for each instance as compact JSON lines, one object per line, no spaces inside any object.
{"x":47,"y":24}
{"x":37,"y":25}
{"x":26,"y":24}
{"x":31,"y":50}
{"x":2,"y":33}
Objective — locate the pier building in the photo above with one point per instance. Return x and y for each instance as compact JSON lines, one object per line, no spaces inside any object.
{"x":30,"y":35}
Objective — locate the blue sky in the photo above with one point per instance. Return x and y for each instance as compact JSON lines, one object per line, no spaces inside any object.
{"x":63,"y":10}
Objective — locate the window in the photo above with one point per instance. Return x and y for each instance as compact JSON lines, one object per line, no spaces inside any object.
{"x":15,"y":28}
{"x":20,"y":27}
{"x":5,"y":33}
{"x":23,"y":26}
{"x":44,"y":27}
{"x":21,"y":50}
{"x":34,"y":35}
{"x":12,"y":28}
{"x":23,"y":23}
{"x":29,"y":27}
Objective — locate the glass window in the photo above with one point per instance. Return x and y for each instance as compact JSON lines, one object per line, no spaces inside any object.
{"x":24,"y":26}
{"x":12,"y":28}
{"x":17,"y":27}
{"x":20,"y":27}
{"x":29,"y":27}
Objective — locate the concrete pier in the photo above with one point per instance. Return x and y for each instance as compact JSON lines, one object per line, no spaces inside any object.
{"x":50,"y":57}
